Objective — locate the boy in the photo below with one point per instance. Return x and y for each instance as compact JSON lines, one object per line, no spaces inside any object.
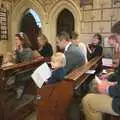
{"x":58,"y":62}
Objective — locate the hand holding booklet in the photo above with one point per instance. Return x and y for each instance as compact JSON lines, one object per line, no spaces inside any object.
{"x":41,"y":74}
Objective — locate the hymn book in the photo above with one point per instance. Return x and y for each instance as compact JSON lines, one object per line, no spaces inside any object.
{"x":41,"y":74}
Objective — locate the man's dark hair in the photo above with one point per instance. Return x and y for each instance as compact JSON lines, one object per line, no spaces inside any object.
{"x":74,"y":36}
{"x":63,"y":36}
{"x":98,"y":35}
{"x":116,"y":28}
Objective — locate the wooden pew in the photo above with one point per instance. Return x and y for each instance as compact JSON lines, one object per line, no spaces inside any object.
{"x":53,"y":100}
{"x":111,"y":117}
{"x":1,"y":59}
{"x":10,"y":107}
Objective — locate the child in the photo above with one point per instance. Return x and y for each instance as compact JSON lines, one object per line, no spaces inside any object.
{"x":58,"y":62}
{"x":8,"y":60}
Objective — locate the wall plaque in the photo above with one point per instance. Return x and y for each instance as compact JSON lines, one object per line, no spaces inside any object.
{"x":3,"y":24}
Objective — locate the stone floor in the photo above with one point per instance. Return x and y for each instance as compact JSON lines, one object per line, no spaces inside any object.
{"x":32,"y":116}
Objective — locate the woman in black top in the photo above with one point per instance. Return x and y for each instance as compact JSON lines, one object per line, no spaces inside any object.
{"x":44,"y":47}
{"x":95,"y":49}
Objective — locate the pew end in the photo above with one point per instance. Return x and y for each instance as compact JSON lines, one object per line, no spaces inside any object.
{"x":54,"y":100}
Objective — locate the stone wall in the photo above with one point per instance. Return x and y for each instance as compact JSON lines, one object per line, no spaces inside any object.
{"x":98,"y":17}
{"x":89,"y":19}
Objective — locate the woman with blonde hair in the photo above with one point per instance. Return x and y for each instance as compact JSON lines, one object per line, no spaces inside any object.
{"x":44,"y":47}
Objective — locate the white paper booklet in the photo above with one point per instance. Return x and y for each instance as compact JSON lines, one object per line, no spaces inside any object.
{"x":90,"y":72}
{"x":98,"y":80}
{"x":41,"y":74}
{"x":107,"y":62}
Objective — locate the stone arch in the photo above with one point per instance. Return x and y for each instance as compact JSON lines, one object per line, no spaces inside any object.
{"x":18,"y":12}
{"x":53,"y":15}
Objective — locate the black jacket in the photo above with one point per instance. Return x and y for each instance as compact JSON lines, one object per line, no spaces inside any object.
{"x":47,"y":50}
{"x":114,"y":91}
{"x":98,"y":50}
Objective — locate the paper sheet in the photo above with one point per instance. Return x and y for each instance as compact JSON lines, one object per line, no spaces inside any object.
{"x":90,"y":72}
{"x":107,"y":62}
{"x":41,"y":74}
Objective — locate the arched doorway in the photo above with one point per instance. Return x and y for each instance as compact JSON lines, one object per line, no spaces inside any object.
{"x":31,"y":25}
{"x":65,"y":21}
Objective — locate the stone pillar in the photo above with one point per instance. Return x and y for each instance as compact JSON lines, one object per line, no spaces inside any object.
{"x":0,"y":2}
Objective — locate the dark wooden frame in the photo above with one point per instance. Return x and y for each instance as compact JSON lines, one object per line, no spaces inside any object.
{"x":3,"y":24}
{"x":86,"y":2}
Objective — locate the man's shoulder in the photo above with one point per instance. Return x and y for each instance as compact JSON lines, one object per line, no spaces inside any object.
{"x":74,"y":47}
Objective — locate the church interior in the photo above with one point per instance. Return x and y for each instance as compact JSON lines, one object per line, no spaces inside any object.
{"x":51,"y":17}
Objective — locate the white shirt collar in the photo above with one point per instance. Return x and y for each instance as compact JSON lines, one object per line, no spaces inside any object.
{"x":67,"y":46}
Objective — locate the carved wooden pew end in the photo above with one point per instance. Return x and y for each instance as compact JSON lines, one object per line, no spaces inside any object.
{"x":54,"y":101}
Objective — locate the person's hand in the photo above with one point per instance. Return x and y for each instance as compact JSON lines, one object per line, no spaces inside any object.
{"x":104,"y":76}
{"x":40,"y":48}
{"x":88,"y":48}
{"x":103,"y":87}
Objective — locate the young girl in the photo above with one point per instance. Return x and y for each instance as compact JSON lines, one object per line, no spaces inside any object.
{"x":8,"y":60}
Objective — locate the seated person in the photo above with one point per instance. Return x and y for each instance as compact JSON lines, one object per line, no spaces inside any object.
{"x":112,"y":40}
{"x":36,"y":55}
{"x":58,"y":62}
{"x":23,"y":53}
{"x":94,"y":49}
{"x":108,"y":101}
{"x":8,"y":60}
{"x":82,"y":46}
{"x":44,"y":47}
{"x":73,"y":54}
{"x":23,"y":50}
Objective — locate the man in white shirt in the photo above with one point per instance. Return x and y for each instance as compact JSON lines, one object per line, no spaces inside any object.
{"x":82,"y":46}
{"x":73,"y":54}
